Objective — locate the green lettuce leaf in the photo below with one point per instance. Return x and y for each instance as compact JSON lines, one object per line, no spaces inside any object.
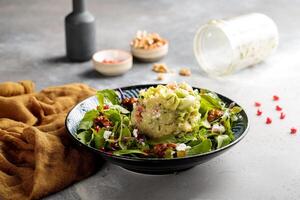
{"x":99,"y":139}
{"x":208,"y":103}
{"x":204,"y":146}
{"x":128,"y":151}
{"x":227,"y":125}
{"x":88,"y":120}
{"x":86,"y":137}
{"x":204,"y":122}
{"x":113,"y":115}
{"x":126,"y":132}
{"x":120,"y":108}
{"x":107,"y":97}
{"x":187,"y":137}
{"x":112,"y":96}
{"x":100,"y":98}
{"x":235,"y":110}
{"x":222,"y":140}
{"x":122,"y":130}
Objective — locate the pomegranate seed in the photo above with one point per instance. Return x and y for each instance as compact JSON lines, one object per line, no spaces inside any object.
{"x":268,"y":120}
{"x":278,"y":108}
{"x":275,"y":98}
{"x":102,"y":149}
{"x":293,"y":130}
{"x":97,"y":128}
{"x":106,"y":107}
{"x":259,"y":112}
{"x":282,"y":115}
{"x":257,"y":104}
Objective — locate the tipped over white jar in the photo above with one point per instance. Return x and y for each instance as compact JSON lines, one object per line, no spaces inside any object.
{"x":224,"y":46}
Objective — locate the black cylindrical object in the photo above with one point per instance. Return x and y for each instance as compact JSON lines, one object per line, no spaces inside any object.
{"x":80,"y":33}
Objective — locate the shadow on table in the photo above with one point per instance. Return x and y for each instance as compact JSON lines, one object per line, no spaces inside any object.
{"x":93,"y":74}
{"x":186,"y":185}
{"x":57,"y":60}
{"x":64,"y":59}
{"x":60,"y":60}
{"x":139,"y":62}
{"x":115,"y":183}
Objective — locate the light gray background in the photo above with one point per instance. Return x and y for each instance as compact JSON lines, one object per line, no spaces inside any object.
{"x":265,"y":165}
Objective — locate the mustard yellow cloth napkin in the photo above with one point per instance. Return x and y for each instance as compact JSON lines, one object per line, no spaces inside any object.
{"x":37,"y":156}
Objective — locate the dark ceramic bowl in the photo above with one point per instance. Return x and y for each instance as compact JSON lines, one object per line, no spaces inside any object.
{"x":150,"y":165}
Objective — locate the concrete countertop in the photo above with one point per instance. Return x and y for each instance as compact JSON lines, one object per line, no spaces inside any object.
{"x":265,"y":165}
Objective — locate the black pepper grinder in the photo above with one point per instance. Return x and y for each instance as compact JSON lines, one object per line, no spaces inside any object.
{"x":80,"y":33}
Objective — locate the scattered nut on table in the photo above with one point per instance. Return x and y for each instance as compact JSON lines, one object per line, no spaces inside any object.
{"x":144,"y":40}
{"x":160,"y":76}
{"x":160,"y":68}
{"x":185,"y":72}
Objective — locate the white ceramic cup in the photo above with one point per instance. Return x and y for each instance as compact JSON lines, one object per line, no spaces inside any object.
{"x":112,"y":69}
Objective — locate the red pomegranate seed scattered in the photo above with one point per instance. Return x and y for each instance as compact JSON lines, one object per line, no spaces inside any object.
{"x":268,"y":120}
{"x":257,"y":104}
{"x":259,"y":112}
{"x":275,"y":98}
{"x":282,"y":115}
{"x":278,"y":108}
{"x":293,"y":130}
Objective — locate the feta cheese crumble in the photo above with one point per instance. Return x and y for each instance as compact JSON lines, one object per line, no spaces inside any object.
{"x":107,"y":134}
{"x":216,"y":128}
{"x":182,"y":147}
{"x":134,"y":132}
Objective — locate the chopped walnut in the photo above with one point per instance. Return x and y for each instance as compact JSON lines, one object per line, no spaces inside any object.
{"x":185,"y":72}
{"x":160,"y":76}
{"x":160,"y":68}
{"x":128,"y":103}
{"x":160,"y":149}
{"x":144,"y":40}
{"x":214,"y":114}
{"x":102,"y":121}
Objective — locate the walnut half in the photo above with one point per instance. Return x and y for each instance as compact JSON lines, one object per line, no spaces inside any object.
{"x":160,"y":68}
{"x":185,"y":72}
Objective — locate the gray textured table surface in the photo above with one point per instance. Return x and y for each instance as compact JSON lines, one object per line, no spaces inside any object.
{"x":265,"y":165}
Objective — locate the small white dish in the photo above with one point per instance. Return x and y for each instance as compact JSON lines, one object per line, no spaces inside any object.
{"x":112,"y":62}
{"x":150,"y":55}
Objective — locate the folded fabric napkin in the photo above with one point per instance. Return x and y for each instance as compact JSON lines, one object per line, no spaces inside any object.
{"x":37,"y":156}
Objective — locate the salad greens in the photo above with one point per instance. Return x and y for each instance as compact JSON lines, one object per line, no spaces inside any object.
{"x":109,"y":127}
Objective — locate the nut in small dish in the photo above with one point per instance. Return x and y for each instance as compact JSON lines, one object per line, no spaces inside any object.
{"x":149,"y":47}
{"x":112,"y":62}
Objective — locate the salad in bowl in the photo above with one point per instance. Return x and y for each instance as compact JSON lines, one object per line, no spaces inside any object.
{"x":163,"y":121}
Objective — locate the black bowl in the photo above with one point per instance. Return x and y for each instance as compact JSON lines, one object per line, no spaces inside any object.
{"x":150,"y":165}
